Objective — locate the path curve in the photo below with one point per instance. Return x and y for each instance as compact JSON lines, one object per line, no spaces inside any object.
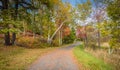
{"x":61,"y":59}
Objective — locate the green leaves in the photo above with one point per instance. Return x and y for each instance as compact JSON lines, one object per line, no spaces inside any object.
{"x":70,"y":38}
{"x":7,"y":23}
{"x":113,"y":10}
{"x":84,"y":9}
{"x":9,"y":30}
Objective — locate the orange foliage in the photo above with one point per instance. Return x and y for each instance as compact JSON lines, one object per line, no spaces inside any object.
{"x":1,"y":36}
{"x":27,"y":41}
{"x":66,"y":31}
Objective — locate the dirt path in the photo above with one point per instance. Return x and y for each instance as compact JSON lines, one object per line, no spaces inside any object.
{"x":61,"y":59}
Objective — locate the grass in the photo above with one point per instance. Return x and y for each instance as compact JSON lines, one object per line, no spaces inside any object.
{"x":88,"y":61}
{"x":18,"y":58}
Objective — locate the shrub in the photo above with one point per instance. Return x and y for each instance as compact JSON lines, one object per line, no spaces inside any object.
{"x":30,"y":42}
{"x":92,"y":45}
{"x":91,"y":42}
{"x":55,"y":42}
{"x":114,"y":43}
{"x":70,"y":38}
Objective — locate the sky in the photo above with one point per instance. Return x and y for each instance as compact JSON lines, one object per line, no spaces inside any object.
{"x":74,"y":2}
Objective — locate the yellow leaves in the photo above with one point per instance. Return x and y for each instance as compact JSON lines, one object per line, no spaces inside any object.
{"x":63,"y":11}
{"x":54,"y":1}
{"x":113,"y":10}
{"x":27,"y":42}
{"x":84,"y":9}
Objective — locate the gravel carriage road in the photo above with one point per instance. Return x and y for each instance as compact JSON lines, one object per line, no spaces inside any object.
{"x":60,"y":59}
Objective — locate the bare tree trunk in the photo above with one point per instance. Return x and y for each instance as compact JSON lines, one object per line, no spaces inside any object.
{"x":34,"y":35}
{"x":13,"y":38}
{"x":48,"y":40}
{"x":24,"y":33}
{"x":15,"y":18}
{"x":61,"y":37}
{"x":86,"y":42}
{"x":7,"y":39}
{"x":7,"y":35}
{"x":33,"y":23}
{"x":99,"y":38}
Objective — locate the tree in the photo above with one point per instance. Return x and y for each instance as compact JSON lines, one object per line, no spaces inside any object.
{"x":62,"y":16}
{"x":115,"y":24}
{"x":85,"y":10}
{"x":4,"y":9}
{"x":99,"y":15}
{"x":69,"y":38}
{"x":110,"y":27}
{"x":9,"y":10}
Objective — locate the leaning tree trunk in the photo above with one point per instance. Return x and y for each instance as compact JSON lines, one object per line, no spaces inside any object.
{"x":57,"y":30}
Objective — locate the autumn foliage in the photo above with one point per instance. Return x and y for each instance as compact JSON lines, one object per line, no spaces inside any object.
{"x":66,"y":31}
{"x":80,"y":32}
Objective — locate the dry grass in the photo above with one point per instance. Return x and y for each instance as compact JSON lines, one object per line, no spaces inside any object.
{"x":113,"y":59}
{"x":105,"y":44}
{"x":18,"y":58}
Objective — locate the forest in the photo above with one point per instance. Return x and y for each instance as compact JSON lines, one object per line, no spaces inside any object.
{"x":59,"y":34}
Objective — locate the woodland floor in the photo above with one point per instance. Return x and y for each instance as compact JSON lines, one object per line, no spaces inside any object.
{"x":60,"y":59}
